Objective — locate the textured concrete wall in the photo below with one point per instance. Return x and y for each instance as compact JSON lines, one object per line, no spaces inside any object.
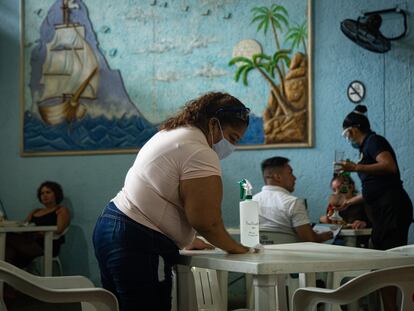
{"x":90,"y":181}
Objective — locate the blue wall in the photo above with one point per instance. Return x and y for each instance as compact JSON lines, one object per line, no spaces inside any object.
{"x":90,"y":181}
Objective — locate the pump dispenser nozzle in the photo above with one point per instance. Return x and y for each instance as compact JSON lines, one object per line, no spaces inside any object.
{"x":245,"y":189}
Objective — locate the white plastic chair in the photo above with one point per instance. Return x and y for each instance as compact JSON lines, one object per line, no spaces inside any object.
{"x":55,"y":260}
{"x":207,"y":290}
{"x":306,"y":299}
{"x":335,"y":278}
{"x":63,"y":289}
{"x":406,"y":249}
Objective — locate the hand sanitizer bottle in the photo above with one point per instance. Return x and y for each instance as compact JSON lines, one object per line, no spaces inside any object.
{"x":249,"y":216}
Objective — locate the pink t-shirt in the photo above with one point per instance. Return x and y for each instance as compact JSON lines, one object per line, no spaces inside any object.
{"x":150,"y":195}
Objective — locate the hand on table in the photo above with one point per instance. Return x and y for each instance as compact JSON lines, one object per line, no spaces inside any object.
{"x":199,"y":244}
{"x":359,"y":224}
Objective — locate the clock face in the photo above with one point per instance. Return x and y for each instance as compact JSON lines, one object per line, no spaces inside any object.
{"x":356,"y":91}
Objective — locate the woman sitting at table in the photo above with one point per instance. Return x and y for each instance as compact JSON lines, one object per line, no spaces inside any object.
{"x":355,"y":215}
{"x":22,"y":248}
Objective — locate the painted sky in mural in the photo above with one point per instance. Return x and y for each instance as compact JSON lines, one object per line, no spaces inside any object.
{"x":135,"y":63}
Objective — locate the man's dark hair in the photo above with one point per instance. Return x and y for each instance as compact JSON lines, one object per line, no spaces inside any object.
{"x":274,"y":162}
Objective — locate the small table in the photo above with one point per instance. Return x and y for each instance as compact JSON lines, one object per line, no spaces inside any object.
{"x":47,"y":240}
{"x":350,"y":235}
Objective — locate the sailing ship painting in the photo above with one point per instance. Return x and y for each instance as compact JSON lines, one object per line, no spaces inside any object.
{"x":69,"y":73}
{"x":78,"y":103}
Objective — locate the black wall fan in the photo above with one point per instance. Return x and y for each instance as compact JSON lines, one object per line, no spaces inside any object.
{"x":365,"y":31}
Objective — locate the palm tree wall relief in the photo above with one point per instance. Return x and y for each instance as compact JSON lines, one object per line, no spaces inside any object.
{"x":286,"y":115}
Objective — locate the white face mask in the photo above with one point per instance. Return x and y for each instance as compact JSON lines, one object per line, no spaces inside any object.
{"x":223,"y":148}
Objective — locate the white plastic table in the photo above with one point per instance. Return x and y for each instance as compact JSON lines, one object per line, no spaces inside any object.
{"x":277,"y":260}
{"x":47,"y":240}
{"x":350,"y":235}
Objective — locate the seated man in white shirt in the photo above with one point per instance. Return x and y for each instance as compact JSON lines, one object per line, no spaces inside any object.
{"x":283,"y":217}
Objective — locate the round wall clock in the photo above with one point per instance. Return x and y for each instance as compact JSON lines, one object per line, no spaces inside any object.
{"x":356,"y":91}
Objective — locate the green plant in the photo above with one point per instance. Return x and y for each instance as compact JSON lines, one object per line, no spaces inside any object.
{"x":284,"y":118}
{"x":266,"y":65}
{"x":298,"y":34}
{"x":276,"y":18}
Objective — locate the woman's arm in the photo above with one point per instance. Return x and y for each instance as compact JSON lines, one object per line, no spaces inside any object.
{"x":63,"y":219}
{"x":202,"y":204}
{"x":385,"y":165}
{"x":358,"y":199}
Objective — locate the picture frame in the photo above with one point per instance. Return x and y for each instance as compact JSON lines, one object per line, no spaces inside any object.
{"x":61,"y":115}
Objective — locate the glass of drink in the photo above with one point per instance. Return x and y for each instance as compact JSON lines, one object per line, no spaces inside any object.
{"x":338,"y":157}
{"x":336,"y":200}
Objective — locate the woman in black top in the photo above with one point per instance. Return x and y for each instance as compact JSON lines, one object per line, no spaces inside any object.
{"x":22,"y":248}
{"x":382,"y":189}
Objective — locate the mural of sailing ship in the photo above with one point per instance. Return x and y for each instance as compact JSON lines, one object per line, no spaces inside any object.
{"x":69,"y":73}
{"x":79,"y":103}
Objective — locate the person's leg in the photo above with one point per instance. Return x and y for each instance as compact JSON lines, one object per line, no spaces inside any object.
{"x":135,"y":262}
{"x":21,"y":249}
{"x":392,"y":231}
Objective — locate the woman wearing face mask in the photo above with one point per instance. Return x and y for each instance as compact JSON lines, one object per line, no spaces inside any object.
{"x":382,"y":189}
{"x":172,"y":191}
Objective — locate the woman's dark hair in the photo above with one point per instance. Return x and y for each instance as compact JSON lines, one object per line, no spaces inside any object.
{"x":345,"y":179}
{"x":357,"y":118}
{"x":197,"y":112}
{"x":55,"y":187}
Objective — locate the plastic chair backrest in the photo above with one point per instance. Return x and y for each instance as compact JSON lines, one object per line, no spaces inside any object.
{"x":63,"y":289}
{"x":406,"y":249}
{"x":306,"y":299}
{"x":58,"y":236}
{"x":207,"y":289}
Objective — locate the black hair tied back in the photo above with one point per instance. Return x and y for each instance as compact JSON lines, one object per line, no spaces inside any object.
{"x":361,"y":109}
{"x":358,"y":118}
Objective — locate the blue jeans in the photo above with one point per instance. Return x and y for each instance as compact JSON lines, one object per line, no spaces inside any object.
{"x":135,"y":261}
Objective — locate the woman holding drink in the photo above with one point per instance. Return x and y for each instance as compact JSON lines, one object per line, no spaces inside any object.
{"x":382,"y":188}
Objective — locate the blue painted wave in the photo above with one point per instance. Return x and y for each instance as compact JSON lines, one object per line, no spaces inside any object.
{"x":88,"y":134}
{"x":102,"y":133}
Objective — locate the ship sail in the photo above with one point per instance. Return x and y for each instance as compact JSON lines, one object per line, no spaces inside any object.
{"x":69,"y":61}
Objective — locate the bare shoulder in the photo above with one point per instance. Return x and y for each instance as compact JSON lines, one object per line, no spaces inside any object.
{"x":62,"y":210}
{"x":36,"y":210}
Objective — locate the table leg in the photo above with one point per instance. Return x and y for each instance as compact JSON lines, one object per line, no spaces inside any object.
{"x":264,"y":292}
{"x":186,"y":296}
{"x":223,"y":277}
{"x":48,"y":253}
{"x":350,"y":241}
{"x":307,"y":279}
